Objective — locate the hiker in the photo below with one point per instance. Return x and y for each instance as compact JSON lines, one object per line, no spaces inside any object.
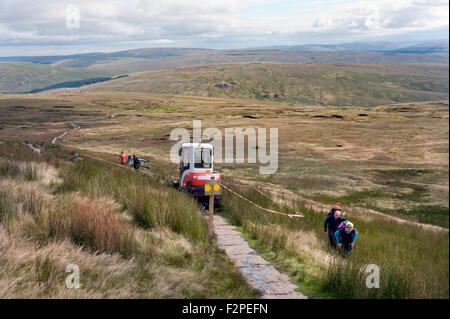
{"x":333,"y":209}
{"x":346,"y":238}
{"x":136,"y":163}
{"x":332,"y":222}
{"x":73,"y":156}
{"x":123,"y":158}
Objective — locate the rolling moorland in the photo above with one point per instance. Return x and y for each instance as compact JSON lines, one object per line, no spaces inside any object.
{"x":23,"y":74}
{"x":316,"y":84}
{"x":372,"y":138}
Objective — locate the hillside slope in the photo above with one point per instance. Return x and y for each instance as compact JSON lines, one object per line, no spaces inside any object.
{"x":336,"y":84}
{"x":25,"y":76}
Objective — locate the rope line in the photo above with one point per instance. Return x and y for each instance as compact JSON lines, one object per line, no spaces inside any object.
{"x":260,"y":207}
{"x":273,"y":200}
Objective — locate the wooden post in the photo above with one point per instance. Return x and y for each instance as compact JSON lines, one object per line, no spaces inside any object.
{"x":212,"y":188}
{"x":211,"y":219}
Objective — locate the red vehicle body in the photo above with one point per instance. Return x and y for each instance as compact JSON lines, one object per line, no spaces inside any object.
{"x":196,"y":167}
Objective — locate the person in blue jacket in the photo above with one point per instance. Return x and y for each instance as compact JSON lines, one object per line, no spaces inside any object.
{"x":346,"y":238}
{"x":332,"y":222}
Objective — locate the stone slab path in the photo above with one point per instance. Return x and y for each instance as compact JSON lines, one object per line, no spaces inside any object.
{"x":259,"y":273}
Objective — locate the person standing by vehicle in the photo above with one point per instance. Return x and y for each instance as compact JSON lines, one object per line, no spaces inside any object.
{"x":346,"y":238}
{"x":332,"y":223}
{"x":136,"y":163}
{"x":123,"y":158}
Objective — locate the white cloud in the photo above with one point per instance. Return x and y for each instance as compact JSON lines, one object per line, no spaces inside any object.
{"x":182,"y":22}
{"x":11,"y":35}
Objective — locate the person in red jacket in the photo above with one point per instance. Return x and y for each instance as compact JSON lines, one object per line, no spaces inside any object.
{"x":123,"y":157}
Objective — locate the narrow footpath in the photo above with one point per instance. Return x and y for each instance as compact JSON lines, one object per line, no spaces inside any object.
{"x":258,"y":272}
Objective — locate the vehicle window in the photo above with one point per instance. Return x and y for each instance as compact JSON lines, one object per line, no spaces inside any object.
{"x":185,"y":158}
{"x":202,"y":158}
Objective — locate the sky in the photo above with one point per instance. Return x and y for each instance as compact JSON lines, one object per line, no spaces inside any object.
{"x":44,"y":27}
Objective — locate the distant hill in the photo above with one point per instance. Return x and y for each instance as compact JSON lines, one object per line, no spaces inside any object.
{"x":318,"y":84}
{"x":353,"y":46}
{"x":17,"y":77}
{"x":427,"y":47}
{"x":23,"y":74}
{"x":87,"y":59}
{"x":161,"y":58}
{"x":381,"y":46}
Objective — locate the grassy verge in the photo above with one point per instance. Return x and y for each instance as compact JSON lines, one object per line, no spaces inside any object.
{"x":413,"y":261}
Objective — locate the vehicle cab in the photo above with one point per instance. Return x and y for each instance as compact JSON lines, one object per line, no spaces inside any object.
{"x":196,"y":167}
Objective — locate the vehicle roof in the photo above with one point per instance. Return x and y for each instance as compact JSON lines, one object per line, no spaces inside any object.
{"x":197,"y":145}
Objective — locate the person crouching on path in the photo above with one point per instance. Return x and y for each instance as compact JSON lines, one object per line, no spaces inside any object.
{"x":346,"y":238}
{"x":123,"y":158}
{"x":332,"y":222}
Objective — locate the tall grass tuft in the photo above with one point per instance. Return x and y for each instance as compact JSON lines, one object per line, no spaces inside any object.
{"x":46,"y":270}
{"x":347,"y":279}
{"x":19,"y":199}
{"x":8,"y":207}
{"x":98,"y":229}
{"x":30,"y":173}
{"x":8,"y":169}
